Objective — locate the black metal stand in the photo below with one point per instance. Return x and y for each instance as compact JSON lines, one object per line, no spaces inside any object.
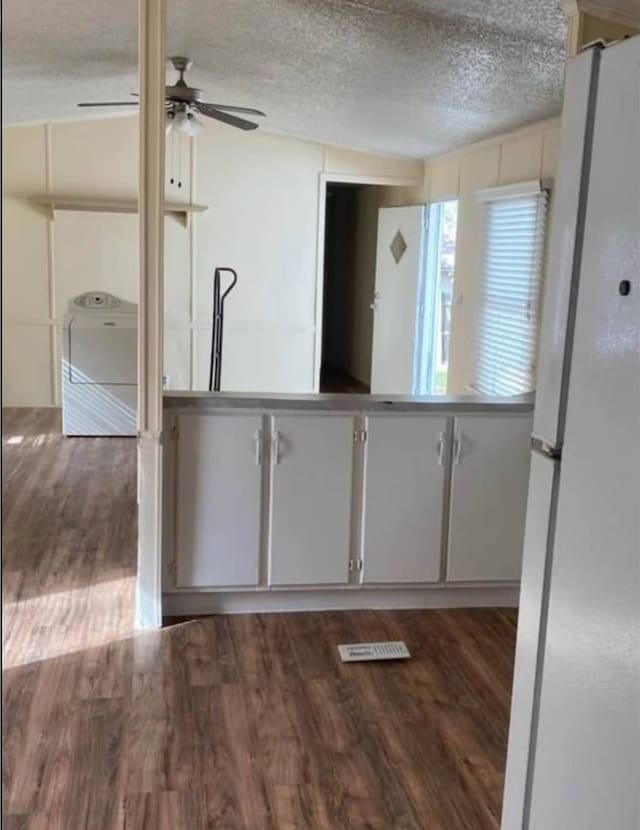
{"x":215,"y":367}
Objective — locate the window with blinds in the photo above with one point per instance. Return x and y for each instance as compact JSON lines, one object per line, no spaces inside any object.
{"x":515,"y":220}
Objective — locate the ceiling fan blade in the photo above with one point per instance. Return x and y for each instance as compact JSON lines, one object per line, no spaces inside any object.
{"x":244,"y":110}
{"x":109,"y":104}
{"x":225,"y":117}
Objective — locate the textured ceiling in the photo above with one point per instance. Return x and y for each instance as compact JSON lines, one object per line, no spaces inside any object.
{"x":411,"y":77}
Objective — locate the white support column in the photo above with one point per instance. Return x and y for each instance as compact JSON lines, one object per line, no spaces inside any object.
{"x":151,"y":60}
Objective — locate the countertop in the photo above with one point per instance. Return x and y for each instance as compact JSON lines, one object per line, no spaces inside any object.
{"x":272,"y":402}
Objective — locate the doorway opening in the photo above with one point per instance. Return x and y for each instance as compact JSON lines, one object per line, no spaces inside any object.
{"x":351,"y":227}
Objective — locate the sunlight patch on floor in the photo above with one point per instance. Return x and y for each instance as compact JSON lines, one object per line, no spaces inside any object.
{"x":63,"y":622}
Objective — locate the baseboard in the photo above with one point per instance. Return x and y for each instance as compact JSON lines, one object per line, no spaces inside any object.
{"x":31,"y":406}
{"x":248,"y":602}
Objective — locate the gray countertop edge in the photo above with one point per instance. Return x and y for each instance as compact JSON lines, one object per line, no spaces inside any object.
{"x":470,"y":404}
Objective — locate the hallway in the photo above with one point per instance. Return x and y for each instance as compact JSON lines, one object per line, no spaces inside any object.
{"x":233,"y":723}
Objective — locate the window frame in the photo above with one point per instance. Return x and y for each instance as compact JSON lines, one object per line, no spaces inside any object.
{"x":513,"y":373}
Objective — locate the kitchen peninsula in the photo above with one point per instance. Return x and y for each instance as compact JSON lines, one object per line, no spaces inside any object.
{"x":297,"y":502}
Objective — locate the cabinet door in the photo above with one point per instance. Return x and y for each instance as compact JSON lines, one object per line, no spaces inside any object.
{"x":218,"y":500}
{"x":488,"y":497}
{"x":311,"y":499}
{"x":404,"y":486}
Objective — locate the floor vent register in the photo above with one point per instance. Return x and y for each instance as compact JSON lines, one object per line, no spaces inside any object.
{"x":363,"y":652}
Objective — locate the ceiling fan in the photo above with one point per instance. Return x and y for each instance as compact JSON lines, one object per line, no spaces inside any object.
{"x":183,"y":103}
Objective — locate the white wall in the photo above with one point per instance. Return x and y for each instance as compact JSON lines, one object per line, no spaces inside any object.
{"x":262,"y":193}
{"x":525,"y":155}
{"x":522,"y":155}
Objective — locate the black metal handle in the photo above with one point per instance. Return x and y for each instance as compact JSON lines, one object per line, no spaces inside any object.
{"x":215,"y":366}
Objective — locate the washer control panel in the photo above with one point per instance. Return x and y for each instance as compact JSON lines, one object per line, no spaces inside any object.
{"x":97,"y":299}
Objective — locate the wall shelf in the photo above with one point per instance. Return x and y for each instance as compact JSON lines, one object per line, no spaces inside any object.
{"x":180,"y":210}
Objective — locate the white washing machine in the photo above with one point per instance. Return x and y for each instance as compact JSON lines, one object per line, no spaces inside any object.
{"x":99,"y":366}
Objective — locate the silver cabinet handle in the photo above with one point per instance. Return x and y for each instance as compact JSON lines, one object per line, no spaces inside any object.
{"x":441,"y":446}
{"x":457,"y":448}
{"x":275,"y":447}
{"x":257,"y":438}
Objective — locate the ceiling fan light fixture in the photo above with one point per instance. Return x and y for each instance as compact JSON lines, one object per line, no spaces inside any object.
{"x":194,"y":125}
{"x":181,"y":121}
{"x":168,"y":122}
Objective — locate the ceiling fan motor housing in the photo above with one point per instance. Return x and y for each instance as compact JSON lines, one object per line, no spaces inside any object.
{"x":183,"y":102}
{"x":180,"y":64}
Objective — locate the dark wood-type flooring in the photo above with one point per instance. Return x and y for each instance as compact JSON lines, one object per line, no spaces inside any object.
{"x":337,"y":381}
{"x":223,"y":722}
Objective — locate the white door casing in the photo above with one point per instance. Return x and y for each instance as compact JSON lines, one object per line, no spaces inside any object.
{"x":489,"y":483}
{"x":399,"y":268}
{"x":404,"y":490}
{"x":312,"y":460}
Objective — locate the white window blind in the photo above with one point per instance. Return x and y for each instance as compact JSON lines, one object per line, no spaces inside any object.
{"x":512,"y":266}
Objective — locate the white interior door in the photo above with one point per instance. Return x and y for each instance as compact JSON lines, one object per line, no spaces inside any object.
{"x":587,"y":758}
{"x":489,"y":484}
{"x":399,"y":269}
{"x":219,"y":500}
{"x":404,"y":485}
{"x":311,"y":499}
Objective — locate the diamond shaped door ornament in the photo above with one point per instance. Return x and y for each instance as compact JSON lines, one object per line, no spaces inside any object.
{"x":398,"y":247}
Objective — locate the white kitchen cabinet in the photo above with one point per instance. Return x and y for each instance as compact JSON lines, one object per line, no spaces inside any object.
{"x":312,"y":460}
{"x":403,"y":502}
{"x":489,"y":483}
{"x":218,"y":492}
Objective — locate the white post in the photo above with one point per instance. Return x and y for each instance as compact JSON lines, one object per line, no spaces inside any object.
{"x":151,"y":61}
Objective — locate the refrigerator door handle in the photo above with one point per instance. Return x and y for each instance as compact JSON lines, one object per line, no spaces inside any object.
{"x":544,"y":448}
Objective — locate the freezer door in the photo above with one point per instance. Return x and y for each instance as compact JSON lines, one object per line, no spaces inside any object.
{"x":587,"y":763}
{"x":565,"y":246}
{"x":536,"y":562}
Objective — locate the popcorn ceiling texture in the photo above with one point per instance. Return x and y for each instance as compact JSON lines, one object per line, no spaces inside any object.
{"x":408,"y":77}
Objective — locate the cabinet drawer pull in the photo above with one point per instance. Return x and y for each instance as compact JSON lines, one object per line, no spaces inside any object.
{"x":441,"y":446}
{"x":275,"y":447}
{"x":457,"y":448}
{"x":258,"y":447}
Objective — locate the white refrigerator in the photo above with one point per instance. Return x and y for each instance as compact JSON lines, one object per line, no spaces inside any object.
{"x":574,"y":741}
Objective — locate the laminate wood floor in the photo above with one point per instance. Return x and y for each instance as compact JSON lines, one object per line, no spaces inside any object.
{"x":232,"y":723}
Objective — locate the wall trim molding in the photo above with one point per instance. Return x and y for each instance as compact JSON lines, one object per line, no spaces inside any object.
{"x":500,"y":138}
{"x":360,"y":598}
{"x":51,"y":270}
